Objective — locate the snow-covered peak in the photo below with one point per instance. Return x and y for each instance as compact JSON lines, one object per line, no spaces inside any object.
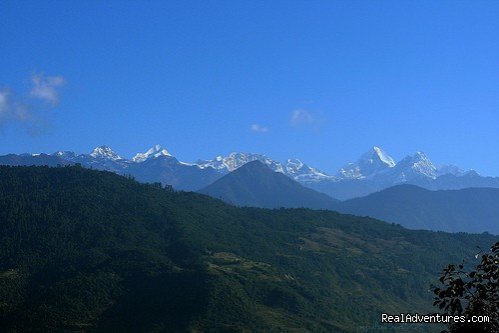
{"x":384,"y":157}
{"x":153,"y":152}
{"x":301,"y":172}
{"x":423,"y":165}
{"x":417,"y":165}
{"x":106,"y":153}
{"x":371,"y":163}
{"x":65,"y":155}
{"x":294,"y":165}
{"x":235,"y":160}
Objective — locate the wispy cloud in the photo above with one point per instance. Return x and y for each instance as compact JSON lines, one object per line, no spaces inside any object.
{"x":46,"y":87}
{"x":8,"y":108}
{"x":4,"y":103}
{"x":301,"y":117}
{"x":33,"y":117}
{"x":259,"y":128}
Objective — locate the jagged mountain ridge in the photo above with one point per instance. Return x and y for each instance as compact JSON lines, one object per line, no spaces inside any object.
{"x":255,"y":184}
{"x":375,"y":170}
{"x":293,"y":168}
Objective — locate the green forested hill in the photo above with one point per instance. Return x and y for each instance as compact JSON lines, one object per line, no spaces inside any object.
{"x":90,"y":251}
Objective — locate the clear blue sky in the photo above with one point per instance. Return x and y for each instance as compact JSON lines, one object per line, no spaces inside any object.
{"x":196,"y":77}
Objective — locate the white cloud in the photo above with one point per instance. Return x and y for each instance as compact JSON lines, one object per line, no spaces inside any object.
{"x":33,"y":117}
{"x":4,"y":103}
{"x":259,"y":128}
{"x":13,"y":110}
{"x":46,"y":87}
{"x":301,"y":117}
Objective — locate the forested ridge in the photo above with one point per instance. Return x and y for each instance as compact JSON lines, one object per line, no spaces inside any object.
{"x":91,"y":251}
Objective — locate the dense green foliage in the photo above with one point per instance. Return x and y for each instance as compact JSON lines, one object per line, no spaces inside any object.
{"x":473,"y":293}
{"x":256,"y":185}
{"x":84,"y":250}
{"x":79,"y":247}
{"x":466,"y":210}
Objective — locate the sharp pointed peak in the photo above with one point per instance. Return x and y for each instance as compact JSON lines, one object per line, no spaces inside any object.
{"x":380,"y":154}
{"x":420,"y":153}
{"x":153,"y":152}
{"x":157,"y":147}
{"x":372,"y":162}
{"x":418,"y":164}
{"x":105,"y":152}
{"x":378,"y":150}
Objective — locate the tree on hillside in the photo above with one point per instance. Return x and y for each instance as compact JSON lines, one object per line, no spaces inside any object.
{"x":471,"y":293}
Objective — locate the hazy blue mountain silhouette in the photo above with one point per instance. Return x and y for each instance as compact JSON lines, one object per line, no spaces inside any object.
{"x":465,"y":210}
{"x":254,"y":184}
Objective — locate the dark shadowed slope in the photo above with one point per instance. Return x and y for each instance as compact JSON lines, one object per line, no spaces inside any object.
{"x":256,"y":185}
{"x":90,"y":251}
{"x":466,"y":210}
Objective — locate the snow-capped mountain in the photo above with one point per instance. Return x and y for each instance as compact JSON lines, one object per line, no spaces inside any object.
{"x":378,"y":166}
{"x":101,"y":153}
{"x":158,"y":165}
{"x":375,"y":170}
{"x":236,"y":160}
{"x":101,"y":158}
{"x":417,"y":165}
{"x":293,"y":168}
{"x":302,"y":173}
{"x":66,"y":155}
{"x":370,"y":164}
{"x":105,"y":152}
{"x":153,"y":152}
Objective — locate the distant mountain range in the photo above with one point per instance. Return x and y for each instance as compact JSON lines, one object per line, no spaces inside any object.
{"x":374,"y":171}
{"x":243,"y":180}
{"x":472,"y":210}
{"x":254,"y":184}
